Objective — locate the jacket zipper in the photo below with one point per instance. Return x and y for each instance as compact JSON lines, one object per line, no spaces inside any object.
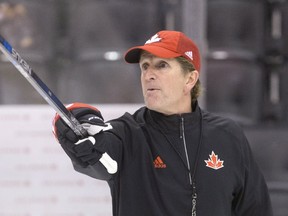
{"x":194,"y":195}
{"x":182,"y":135}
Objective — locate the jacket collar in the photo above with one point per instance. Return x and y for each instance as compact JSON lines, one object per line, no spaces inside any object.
{"x":169,"y":123}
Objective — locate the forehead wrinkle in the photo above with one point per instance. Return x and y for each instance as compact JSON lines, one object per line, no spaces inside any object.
{"x":150,"y":58}
{"x":146,"y":55}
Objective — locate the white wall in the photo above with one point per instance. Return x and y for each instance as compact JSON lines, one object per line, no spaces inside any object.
{"x":36,"y":176}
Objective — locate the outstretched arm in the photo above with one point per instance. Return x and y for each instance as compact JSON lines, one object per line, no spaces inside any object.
{"x":86,"y":152}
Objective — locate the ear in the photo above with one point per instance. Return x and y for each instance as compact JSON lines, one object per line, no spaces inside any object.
{"x":191,"y":80}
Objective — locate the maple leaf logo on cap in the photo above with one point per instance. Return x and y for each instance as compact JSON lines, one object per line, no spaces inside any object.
{"x":153,"y":39}
{"x":213,"y":162}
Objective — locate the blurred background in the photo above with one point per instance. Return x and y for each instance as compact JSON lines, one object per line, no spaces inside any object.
{"x":76,"y":48}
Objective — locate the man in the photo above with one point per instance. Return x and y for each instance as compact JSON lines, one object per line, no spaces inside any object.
{"x":169,"y":158}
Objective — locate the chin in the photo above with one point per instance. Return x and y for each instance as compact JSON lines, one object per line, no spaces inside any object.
{"x":157,"y":109}
{"x":153,"y":106}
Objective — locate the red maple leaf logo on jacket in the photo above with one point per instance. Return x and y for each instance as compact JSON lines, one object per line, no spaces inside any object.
{"x":213,"y":162}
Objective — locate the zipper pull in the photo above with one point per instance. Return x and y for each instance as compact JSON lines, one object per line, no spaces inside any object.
{"x":181,"y":127}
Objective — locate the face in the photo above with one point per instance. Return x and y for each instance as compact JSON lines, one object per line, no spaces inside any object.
{"x":166,"y":88}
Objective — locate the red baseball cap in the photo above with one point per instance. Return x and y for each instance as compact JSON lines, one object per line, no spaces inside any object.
{"x":167,"y":44}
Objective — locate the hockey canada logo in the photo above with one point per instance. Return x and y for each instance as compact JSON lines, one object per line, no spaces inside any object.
{"x":153,"y":39}
{"x":214,"y":162}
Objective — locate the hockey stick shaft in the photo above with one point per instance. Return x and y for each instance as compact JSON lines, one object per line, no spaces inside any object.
{"x":41,"y":87}
{"x":51,"y":99}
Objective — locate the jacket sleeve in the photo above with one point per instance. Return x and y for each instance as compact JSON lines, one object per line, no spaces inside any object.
{"x":110,"y":142}
{"x":253,"y":198}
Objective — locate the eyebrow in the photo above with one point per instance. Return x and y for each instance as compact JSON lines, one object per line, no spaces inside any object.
{"x":157,"y":61}
{"x":146,"y":56}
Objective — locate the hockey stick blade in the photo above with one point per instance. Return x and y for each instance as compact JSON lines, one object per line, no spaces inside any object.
{"x":41,"y":87}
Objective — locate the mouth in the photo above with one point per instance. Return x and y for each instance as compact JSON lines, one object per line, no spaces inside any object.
{"x":152,"y":89}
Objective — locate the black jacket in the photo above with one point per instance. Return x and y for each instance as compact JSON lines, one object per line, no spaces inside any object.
{"x":159,"y":157}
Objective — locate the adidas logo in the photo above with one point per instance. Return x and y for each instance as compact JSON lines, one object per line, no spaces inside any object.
{"x":153,"y":39}
{"x":158,"y":163}
{"x":189,"y":54}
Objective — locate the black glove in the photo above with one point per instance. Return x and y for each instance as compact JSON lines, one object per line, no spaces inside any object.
{"x":84,"y":151}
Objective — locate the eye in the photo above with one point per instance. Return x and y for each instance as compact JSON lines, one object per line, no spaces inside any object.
{"x":144,"y":66}
{"x":162,"y":65}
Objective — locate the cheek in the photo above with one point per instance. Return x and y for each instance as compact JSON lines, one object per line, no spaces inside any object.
{"x":142,"y":81}
{"x":176,"y":86}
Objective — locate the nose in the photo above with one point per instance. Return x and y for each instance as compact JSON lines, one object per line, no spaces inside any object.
{"x":149,"y":74}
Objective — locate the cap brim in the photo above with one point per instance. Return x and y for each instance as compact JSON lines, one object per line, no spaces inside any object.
{"x":133,"y":54}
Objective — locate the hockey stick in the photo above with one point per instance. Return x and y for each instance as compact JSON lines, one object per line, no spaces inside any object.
{"x":51,"y":98}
